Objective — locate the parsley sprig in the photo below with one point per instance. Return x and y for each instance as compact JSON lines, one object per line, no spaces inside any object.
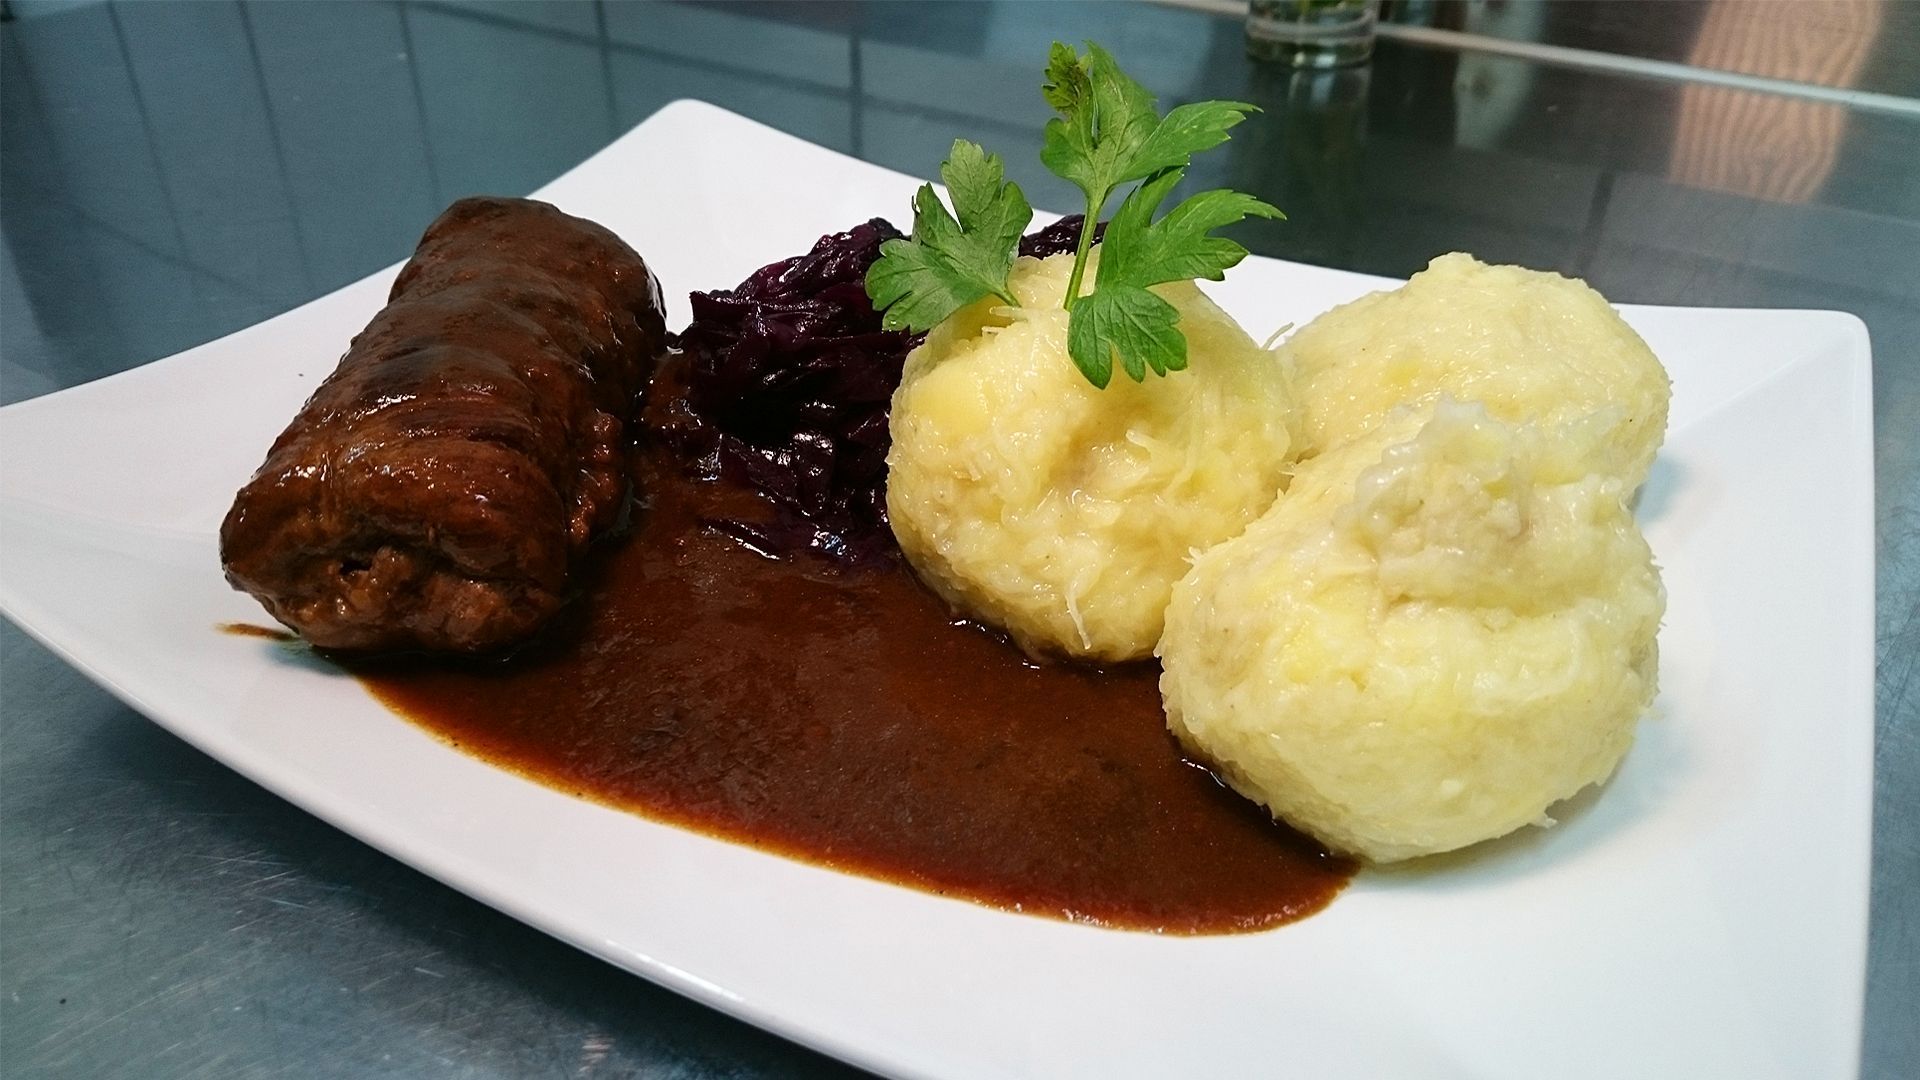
{"x":1108,"y":135}
{"x":951,"y":263}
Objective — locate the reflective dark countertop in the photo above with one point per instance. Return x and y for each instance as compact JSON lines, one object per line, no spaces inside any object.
{"x":171,"y":172}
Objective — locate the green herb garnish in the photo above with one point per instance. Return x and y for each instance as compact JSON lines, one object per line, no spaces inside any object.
{"x":1108,"y":135}
{"x":951,"y":263}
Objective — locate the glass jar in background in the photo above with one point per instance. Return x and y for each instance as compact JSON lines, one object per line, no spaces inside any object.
{"x":1311,"y":33}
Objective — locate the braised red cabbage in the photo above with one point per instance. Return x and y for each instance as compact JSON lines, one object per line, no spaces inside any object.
{"x":1061,"y":236}
{"x":786,"y":388}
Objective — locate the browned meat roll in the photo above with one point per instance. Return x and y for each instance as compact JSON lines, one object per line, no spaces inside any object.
{"x":437,"y":489}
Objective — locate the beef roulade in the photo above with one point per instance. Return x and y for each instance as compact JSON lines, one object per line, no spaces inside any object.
{"x":439,"y":487}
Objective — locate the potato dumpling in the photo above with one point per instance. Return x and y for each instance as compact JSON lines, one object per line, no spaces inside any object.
{"x":1442,"y":629}
{"x":1531,"y":346}
{"x":1063,"y":513}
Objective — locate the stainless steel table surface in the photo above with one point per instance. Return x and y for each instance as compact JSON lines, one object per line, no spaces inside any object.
{"x":173,"y":172}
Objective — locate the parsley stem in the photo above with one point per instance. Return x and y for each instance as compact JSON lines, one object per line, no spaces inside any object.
{"x":1088,"y":223}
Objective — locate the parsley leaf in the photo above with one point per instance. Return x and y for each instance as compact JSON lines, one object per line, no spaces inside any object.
{"x":1179,"y":247}
{"x":1109,"y":134}
{"x":951,"y":263}
{"x":1187,"y":130}
{"x":1101,"y":127}
{"x":1120,"y":315}
{"x":1066,"y":88}
{"x":1125,"y":319}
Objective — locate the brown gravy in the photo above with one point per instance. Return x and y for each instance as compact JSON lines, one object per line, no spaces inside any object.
{"x":247,"y":629}
{"x":843,"y":717}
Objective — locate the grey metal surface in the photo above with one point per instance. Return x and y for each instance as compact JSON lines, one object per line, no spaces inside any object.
{"x":171,"y":172}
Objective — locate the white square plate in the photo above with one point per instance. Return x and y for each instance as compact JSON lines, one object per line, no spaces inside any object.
{"x":1706,"y":917}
